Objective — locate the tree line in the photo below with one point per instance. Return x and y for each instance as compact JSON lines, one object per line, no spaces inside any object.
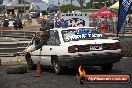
{"x":93,"y":4}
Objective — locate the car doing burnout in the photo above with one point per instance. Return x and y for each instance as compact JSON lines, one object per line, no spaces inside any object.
{"x":75,"y":46}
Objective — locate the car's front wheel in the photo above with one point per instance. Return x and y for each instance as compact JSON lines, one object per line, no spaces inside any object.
{"x":107,"y":67}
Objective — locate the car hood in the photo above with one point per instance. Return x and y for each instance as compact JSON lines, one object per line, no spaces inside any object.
{"x":96,"y":41}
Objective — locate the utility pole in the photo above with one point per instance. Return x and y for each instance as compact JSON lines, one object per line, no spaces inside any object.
{"x":2,"y":7}
{"x":24,"y":6}
{"x":106,"y":3}
{"x":93,"y":4}
{"x":0,"y":20}
{"x":63,"y":2}
{"x":24,"y":15}
{"x":59,"y":6}
{"x":71,"y":2}
{"x":58,"y":2}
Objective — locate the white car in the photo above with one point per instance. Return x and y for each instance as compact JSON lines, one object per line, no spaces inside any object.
{"x":75,"y":46}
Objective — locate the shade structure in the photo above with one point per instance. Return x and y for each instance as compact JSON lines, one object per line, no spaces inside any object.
{"x":115,"y":6}
{"x":103,"y":12}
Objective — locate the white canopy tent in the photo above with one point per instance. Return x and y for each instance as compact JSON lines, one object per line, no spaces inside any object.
{"x":115,"y":6}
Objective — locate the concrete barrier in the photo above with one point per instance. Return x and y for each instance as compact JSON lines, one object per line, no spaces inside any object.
{"x":126,"y":46}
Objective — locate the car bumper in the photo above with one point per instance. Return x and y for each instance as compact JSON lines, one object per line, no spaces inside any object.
{"x":89,"y":60}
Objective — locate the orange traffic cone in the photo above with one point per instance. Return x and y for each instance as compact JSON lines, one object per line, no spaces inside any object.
{"x":38,"y":70}
{"x":0,"y":63}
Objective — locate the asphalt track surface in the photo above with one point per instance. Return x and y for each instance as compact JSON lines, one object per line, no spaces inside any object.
{"x":49,"y":80}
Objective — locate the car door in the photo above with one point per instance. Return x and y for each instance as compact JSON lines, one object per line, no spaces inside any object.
{"x":51,"y":45}
{"x":44,"y":54}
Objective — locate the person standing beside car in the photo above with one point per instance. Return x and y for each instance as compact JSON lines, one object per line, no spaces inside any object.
{"x":43,"y":37}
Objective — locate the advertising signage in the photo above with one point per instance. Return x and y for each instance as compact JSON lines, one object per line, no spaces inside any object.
{"x":76,"y":19}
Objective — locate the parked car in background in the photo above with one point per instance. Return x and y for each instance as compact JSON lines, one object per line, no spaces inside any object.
{"x":75,"y":46}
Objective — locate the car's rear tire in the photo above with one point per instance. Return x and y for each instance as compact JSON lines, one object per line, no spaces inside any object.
{"x":107,"y":67}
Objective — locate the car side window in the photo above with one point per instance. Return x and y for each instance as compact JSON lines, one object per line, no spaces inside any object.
{"x":53,"y":38}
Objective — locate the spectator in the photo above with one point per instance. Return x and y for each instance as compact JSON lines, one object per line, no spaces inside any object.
{"x":20,"y":24}
{"x":94,"y":22}
{"x":130,"y":21}
{"x":43,"y":22}
{"x":30,"y":20}
{"x":45,"y":25}
{"x":15,"y":24}
{"x":6,"y":23}
{"x":63,"y":23}
{"x":1,"y":22}
{"x":103,"y":27}
{"x":110,"y":25}
{"x":98,"y":21}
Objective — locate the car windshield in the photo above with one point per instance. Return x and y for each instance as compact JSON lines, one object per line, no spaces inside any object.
{"x":82,"y":34}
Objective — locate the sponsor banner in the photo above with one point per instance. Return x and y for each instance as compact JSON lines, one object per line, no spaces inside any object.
{"x":105,"y":78}
{"x":81,"y":34}
{"x":124,"y":7}
{"x":76,"y":19}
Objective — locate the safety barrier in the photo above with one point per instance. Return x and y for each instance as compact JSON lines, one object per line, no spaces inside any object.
{"x":127,"y":53}
{"x":128,"y":29}
{"x":126,"y":47}
{"x":6,"y":28}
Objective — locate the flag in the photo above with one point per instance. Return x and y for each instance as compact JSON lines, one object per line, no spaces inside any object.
{"x":124,"y":7}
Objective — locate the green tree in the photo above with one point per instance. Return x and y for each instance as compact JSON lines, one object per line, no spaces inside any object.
{"x":69,"y":7}
{"x":96,"y":4}
{"x":93,"y":4}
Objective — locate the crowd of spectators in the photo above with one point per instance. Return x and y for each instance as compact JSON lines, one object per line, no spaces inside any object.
{"x":13,"y":20}
{"x":108,"y":24}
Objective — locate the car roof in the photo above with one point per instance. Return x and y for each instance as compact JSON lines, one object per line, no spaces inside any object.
{"x":70,"y":28}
